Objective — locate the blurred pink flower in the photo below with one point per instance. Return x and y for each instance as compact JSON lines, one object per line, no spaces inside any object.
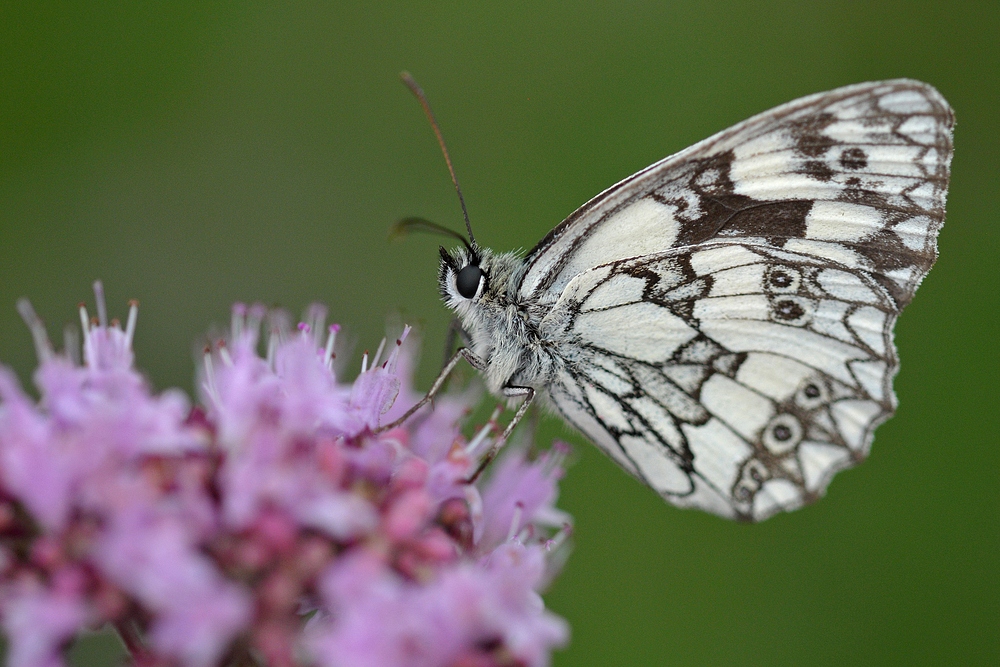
{"x":207,"y":536}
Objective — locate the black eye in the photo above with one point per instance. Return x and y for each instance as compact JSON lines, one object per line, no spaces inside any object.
{"x":468,"y":280}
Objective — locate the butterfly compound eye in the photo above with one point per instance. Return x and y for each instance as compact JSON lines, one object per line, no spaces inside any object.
{"x":468,"y":280}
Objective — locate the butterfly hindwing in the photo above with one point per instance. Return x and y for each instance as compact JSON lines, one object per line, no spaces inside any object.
{"x":859,"y":173}
{"x":732,"y":377}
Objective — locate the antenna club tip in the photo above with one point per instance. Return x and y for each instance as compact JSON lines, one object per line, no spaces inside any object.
{"x":397,"y":230}
{"x":412,"y":84}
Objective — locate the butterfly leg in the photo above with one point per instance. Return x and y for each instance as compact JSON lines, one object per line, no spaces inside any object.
{"x":461,"y":353}
{"x":509,"y":392}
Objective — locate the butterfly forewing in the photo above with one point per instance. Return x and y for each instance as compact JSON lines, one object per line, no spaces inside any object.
{"x":864,"y":167}
{"x":723,"y":319}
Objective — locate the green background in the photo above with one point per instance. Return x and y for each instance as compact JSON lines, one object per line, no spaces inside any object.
{"x":196,"y":154}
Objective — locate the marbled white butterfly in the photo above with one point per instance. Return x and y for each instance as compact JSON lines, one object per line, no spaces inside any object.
{"x":721,"y":323}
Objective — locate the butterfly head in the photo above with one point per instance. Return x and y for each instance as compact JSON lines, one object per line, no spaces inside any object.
{"x":472,"y":278}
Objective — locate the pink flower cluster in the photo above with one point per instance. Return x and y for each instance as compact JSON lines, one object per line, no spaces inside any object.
{"x":277,"y":524}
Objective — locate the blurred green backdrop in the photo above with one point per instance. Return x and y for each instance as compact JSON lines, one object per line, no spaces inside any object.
{"x":194,"y":154}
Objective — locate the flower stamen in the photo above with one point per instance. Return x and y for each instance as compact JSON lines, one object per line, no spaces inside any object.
{"x":480,"y":437}
{"x":133,"y":315}
{"x":378,"y":352}
{"x":515,"y":520}
{"x":209,"y":383}
{"x":102,"y":308}
{"x":331,"y":339}
{"x":43,"y":348}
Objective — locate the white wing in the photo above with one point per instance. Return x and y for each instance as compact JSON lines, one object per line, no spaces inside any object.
{"x":725,"y":316}
{"x":865,"y":166}
{"x":734,"y":377}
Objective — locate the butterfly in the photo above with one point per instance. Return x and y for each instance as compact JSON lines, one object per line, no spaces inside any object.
{"x":721,"y":323}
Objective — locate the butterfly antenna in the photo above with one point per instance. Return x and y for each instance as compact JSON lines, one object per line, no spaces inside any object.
{"x":419,"y":94}
{"x":404,"y":226}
